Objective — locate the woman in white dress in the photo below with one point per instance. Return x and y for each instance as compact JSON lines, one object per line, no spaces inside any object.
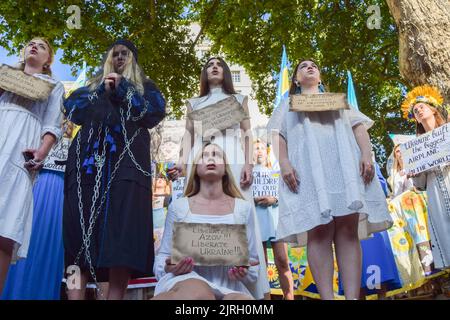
{"x":424,"y":105}
{"x":327,"y":194}
{"x":216,"y":85}
{"x":267,"y":215}
{"x":398,"y":179}
{"x":30,"y":127}
{"x":211,"y":196}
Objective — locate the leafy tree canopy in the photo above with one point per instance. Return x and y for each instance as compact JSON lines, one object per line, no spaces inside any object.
{"x":248,"y":32}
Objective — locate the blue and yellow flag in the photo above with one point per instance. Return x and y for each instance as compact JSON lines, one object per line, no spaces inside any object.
{"x":283,"y":80}
{"x":351,"y":95}
{"x":80,"y":82}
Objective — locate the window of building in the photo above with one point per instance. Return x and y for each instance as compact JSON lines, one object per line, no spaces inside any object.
{"x":236,"y":76}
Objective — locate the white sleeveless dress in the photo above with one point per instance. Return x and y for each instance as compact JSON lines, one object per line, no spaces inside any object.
{"x":323,"y":150}
{"x":215,"y":276}
{"x":232,"y":146}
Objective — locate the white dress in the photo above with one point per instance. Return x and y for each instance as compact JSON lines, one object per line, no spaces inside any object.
{"x":22,"y":125}
{"x":231,"y":144}
{"x":437,"y":184}
{"x":323,"y":150}
{"x":400,"y":184}
{"x":215,"y":276}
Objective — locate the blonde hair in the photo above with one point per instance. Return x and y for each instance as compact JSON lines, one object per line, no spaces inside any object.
{"x":51,"y":53}
{"x":167,"y":188}
{"x":228,"y":183}
{"x":398,"y":165}
{"x":132,"y":72}
{"x":268,"y":162}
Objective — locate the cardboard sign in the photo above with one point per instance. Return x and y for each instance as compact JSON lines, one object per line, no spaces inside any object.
{"x":219,"y":116}
{"x":22,"y":84}
{"x":178,"y":188}
{"x":318,"y":102}
{"x":158,"y":202}
{"x":210,"y":244}
{"x":57,"y":156}
{"x":265,"y":183}
{"x":427,"y":151}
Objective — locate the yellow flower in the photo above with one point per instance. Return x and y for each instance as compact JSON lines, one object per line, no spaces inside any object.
{"x":402,"y":242}
{"x":272,"y":273}
{"x":409,"y":201}
{"x":400,"y":223}
{"x":391,"y":207}
{"x":296,"y":254}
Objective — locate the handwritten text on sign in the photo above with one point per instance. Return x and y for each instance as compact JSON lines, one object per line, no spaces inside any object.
{"x":57,"y":156}
{"x":219,"y":116}
{"x":265,"y":183}
{"x":210,"y":244}
{"x":178,"y":188}
{"x":427,"y":151}
{"x":318,"y":102}
{"x":22,"y":84}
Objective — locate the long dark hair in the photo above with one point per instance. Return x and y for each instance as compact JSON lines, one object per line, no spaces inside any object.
{"x":294,"y":89}
{"x":227,"y":83}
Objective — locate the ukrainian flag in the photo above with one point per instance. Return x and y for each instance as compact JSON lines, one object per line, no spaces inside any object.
{"x":351,"y":95}
{"x":283,"y":80}
{"x":282,"y":94}
{"x":80,"y":82}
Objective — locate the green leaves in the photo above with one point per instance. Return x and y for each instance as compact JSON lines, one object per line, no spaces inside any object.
{"x":248,"y":32}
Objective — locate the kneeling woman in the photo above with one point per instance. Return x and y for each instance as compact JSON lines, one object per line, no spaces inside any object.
{"x":211,"y":196}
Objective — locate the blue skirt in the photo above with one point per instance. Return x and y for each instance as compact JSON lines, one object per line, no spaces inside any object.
{"x":38,"y":277}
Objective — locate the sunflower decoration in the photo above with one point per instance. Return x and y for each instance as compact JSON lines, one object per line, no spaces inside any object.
{"x":400,"y":223}
{"x":426,"y":94}
{"x":402,"y":242}
{"x":391,"y":207}
{"x":410,"y":201}
{"x":295,"y":254}
{"x":272,"y":273}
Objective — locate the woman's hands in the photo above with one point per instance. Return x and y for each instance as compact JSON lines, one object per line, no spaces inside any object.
{"x":184,"y":266}
{"x":289,"y":175}
{"x":36,"y":159}
{"x":112,"y":81}
{"x":176,"y":171}
{"x":239,"y":273}
{"x":246,"y":176}
{"x":366,"y":168}
{"x":265,"y":201}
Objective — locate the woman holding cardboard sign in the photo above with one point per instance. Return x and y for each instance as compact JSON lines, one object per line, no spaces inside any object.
{"x":28,"y":130}
{"x":211,"y":196}
{"x":267,"y":215}
{"x":219,"y":114}
{"x":327,"y":194}
{"x":423,"y":105}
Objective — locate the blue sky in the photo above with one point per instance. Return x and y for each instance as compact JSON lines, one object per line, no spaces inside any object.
{"x":61,"y":71}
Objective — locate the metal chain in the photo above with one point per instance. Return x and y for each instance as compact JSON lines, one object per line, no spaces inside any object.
{"x":125,"y":134}
{"x":100,"y":161}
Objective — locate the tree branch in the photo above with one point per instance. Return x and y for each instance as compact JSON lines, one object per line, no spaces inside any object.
{"x":212,"y":10}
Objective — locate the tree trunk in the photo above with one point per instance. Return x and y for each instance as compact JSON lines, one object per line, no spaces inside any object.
{"x":424,"y":42}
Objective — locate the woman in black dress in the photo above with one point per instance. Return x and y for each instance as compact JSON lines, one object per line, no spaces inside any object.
{"x":107,"y":223}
